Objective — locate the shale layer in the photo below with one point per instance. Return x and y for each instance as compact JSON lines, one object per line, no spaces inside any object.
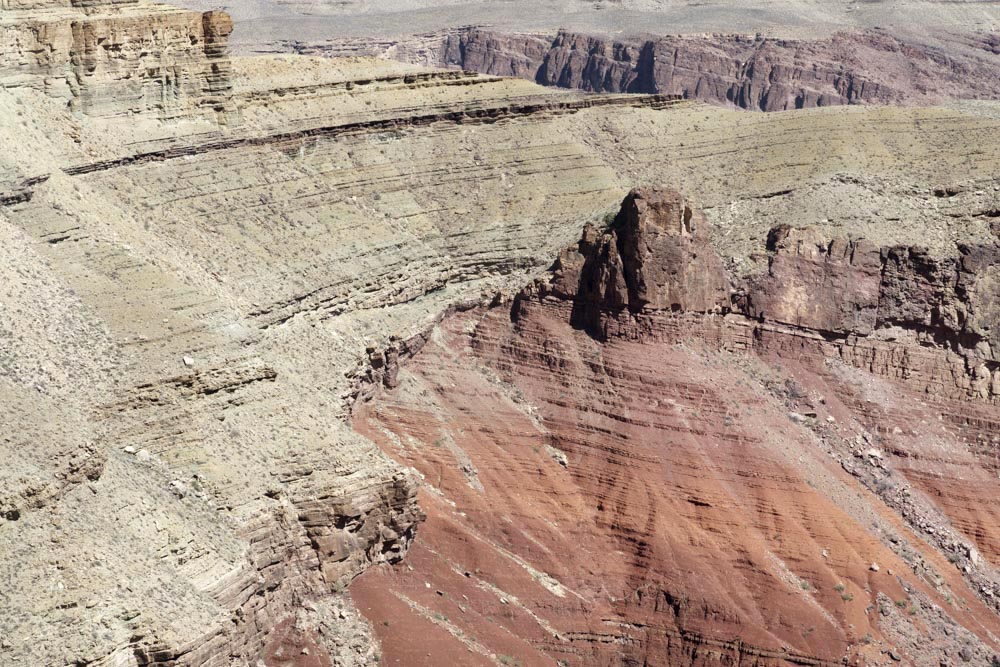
{"x":644,"y":459}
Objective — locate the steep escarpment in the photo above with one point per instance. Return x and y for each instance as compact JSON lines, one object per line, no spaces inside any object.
{"x":111,"y":58}
{"x":657,"y":257}
{"x":853,"y":287}
{"x":747,"y":72}
{"x":642,"y":461}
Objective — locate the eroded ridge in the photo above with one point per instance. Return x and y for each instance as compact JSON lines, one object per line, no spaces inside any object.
{"x":749,"y":72}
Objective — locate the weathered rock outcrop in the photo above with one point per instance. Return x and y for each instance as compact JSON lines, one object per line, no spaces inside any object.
{"x":830,"y":286}
{"x":751,"y":476}
{"x":185,"y":306}
{"x":748,"y":72}
{"x":655,"y":256}
{"x":845,"y":287}
{"x":113,"y":58}
{"x":853,"y":287}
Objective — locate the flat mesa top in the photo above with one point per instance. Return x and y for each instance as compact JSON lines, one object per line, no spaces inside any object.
{"x":270,"y":20}
{"x":22,"y":14}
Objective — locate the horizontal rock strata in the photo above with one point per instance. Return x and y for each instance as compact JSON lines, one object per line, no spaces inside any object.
{"x":753,"y":73}
{"x":647,"y":458}
{"x":114,"y":58}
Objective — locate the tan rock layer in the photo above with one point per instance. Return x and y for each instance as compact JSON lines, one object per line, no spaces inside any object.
{"x":143,"y":58}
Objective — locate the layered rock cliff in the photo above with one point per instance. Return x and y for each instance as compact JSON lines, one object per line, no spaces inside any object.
{"x":747,"y":72}
{"x":644,"y":459}
{"x":185,"y":305}
{"x":190,"y":308}
{"x":111,"y":58}
{"x":657,"y":257}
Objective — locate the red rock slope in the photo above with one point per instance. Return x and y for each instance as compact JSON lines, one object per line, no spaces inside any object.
{"x":644,"y":462}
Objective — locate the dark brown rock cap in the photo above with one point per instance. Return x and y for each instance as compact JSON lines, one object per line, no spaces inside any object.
{"x":655,"y":256}
{"x":818,"y":283}
{"x":669,"y":263}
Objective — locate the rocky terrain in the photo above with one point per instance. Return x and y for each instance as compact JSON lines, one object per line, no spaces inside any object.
{"x":262,"y":23}
{"x":755,"y":73}
{"x":289,"y":377}
{"x":749,"y":55}
{"x":644,"y":460}
{"x":104,"y":63}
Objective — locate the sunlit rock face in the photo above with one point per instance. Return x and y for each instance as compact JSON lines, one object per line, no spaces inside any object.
{"x":261,"y":316}
{"x":641,"y":461}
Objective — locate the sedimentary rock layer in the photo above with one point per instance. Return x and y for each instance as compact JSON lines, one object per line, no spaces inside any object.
{"x":615,"y":474}
{"x":747,"y":72}
{"x":191,"y":440}
{"x":657,"y":257}
{"x":186,"y":305}
{"x":113,"y":58}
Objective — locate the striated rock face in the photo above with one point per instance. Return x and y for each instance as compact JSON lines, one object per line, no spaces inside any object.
{"x":657,"y":256}
{"x":748,"y":72}
{"x":801,"y":476}
{"x":852,"y":288}
{"x":112,"y":58}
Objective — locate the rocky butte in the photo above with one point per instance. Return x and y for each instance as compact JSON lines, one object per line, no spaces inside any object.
{"x":353,"y":360}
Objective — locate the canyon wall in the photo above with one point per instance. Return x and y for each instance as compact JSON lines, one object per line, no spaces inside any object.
{"x":191,"y":310}
{"x":657,"y":257}
{"x":114,"y":58}
{"x":643,"y":459}
{"x":748,"y":72}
